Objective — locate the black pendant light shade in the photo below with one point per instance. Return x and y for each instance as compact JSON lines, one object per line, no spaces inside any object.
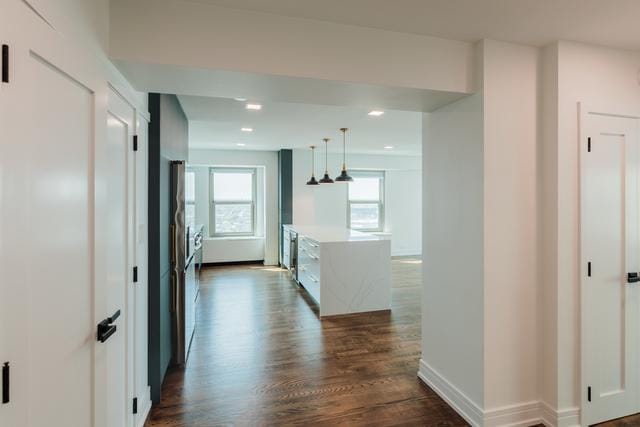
{"x":344,"y":175}
{"x":326,"y":179}
{"x":313,"y":180}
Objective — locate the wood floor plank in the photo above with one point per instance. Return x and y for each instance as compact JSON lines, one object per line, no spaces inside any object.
{"x":261,"y":356}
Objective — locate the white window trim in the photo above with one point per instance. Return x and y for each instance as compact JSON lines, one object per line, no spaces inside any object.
{"x":213,"y":203}
{"x":381,"y":202}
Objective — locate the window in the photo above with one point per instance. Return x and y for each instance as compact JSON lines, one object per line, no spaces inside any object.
{"x":233,"y":202}
{"x":190,"y":198}
{"x":366,"y":201}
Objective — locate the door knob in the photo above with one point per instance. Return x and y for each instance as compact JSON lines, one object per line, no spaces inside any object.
{"x":106,"y":328}
{"x":633,"y":278}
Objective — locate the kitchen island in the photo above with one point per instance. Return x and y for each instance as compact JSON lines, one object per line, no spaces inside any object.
{"x":344,"y":271}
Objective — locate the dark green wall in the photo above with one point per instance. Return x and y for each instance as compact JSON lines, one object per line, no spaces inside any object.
{"x":168,"y":140}
{"x":285,"y":191}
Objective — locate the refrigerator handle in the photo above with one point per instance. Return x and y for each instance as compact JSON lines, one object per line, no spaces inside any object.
{"x":172,"y":232}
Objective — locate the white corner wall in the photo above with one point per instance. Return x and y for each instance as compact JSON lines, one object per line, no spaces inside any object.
{"x":511,"y":96}
{"x":481,"y":243}
{"x":453,"y":275}
{"x":327,"y":204}
{"x":264,"y":246}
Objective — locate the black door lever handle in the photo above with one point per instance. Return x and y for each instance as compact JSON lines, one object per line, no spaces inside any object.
{"x":106,"y":328}
{"x":633,"y":278}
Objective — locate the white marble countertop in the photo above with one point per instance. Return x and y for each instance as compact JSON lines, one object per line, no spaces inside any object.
{"x":326,"y":234}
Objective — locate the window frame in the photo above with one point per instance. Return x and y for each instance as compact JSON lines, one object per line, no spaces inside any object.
{"x":212,"y":203}
{"x":380,"y":202}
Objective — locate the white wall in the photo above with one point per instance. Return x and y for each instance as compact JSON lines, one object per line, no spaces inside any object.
{"x":606,"y":79}
{"x":327,"y":204}
{"x":511,"y":96}
{"x":191,"y":34}
{"x":264,"y":246}
{"x":481,"y":244}
{"x":453,"y":278}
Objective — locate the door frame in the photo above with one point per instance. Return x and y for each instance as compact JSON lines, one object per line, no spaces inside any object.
{"x":584,"y":111}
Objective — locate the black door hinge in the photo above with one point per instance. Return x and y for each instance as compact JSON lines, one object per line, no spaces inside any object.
{"x":589,"y":394}
{"x":589,"y":144}
{"x":589,"y":269}
{"x":135,"y":405}
{"x":135,"y":274}
{"x":135,"y":142}
{"x":5,"y":63}
{"x":5,"y":382}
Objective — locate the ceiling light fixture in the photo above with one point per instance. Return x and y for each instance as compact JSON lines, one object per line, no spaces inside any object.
{"x":326,"y":179}
{"x":241,"y":144}
{"x":313,"y":181}
{"x":254,"y":107}
{"x":246,"y":129}
{"x":240,"y":99}
{"x":388,"y":147}
{"x":344,"y":176}
{"x":376,"y":113}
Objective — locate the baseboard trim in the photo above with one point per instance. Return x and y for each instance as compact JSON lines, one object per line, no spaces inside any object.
{"x":146,"y":405}
{"x":520,"y":415}
{"x":568,"y":417}
{"x":463,"y":405}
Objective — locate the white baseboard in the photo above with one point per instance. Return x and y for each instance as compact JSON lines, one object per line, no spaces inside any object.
{"x":520,"y":415}
{"x":146,"y":408}
{"x":463,"y":405}
{"x":568,"y":417}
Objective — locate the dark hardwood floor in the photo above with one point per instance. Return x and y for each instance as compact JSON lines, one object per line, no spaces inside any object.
{"x":260,"y":356}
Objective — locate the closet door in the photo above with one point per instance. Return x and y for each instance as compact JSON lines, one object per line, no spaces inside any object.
{"x":610,"y":243}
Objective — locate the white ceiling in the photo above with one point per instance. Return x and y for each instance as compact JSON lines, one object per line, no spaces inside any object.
{"x":216,"y":122}
{"x":535,"y":22}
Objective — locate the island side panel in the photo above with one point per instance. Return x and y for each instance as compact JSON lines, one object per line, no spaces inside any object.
{"x":355,"y":277}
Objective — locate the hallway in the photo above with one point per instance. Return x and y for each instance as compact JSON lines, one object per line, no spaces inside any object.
{"x":260,"y":356}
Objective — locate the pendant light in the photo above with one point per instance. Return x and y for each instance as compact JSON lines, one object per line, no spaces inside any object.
{"x":344,"y":176}
{"x":313,"y":181}
{"x":326,"y":179}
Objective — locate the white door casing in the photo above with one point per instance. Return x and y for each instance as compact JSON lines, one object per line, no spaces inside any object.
{"x":120,"y":286}
{"x":140,"y":333}
{"x":610,"y":248}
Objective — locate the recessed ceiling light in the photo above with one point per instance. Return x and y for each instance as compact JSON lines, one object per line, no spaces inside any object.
{"x":241,"y":144}
{"x":246,"y":129}
{"x":254,"y":107}
{"x":388,"y":147}
{"x":240,"y":99}
{"x":376,"y":113}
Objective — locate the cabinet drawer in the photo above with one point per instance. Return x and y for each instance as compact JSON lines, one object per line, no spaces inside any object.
{"x":310,"y":283}
{"x":310,"y":247}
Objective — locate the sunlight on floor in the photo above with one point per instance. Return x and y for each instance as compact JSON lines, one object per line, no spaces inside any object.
{"x":273,"y":269}
{"x":409,"y":261}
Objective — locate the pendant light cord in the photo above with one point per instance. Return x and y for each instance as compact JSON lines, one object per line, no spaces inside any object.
{"x":326,"y":156}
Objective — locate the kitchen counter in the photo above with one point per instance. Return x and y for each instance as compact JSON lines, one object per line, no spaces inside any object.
{"x":344,"y":271}
{"x":331,"y":234}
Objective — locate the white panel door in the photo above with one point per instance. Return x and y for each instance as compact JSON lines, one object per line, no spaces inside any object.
{"x":610,"y":250}
{"x":48,"y":247}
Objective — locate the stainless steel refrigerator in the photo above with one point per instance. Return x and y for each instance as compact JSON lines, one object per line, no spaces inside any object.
{"x":184,"y":286}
